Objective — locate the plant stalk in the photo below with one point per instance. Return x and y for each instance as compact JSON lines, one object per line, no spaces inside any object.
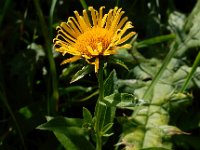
{"x":53,"y":93}
{"x":99,"y":107}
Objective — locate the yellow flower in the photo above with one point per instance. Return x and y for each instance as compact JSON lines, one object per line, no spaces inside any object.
{"x":101,"y":36}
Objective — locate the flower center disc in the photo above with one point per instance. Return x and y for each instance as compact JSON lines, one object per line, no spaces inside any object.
{"x":92,"y":38}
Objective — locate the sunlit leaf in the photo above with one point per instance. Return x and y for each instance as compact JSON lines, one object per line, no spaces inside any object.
{"x":81,"y":73}
{"x":119,"y":100}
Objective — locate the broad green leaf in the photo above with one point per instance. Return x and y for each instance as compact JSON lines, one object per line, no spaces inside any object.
{"x":190,"y":20}
{"x":155,"y":148}
{"x":120,"y":100}
{"x":81,"y":73}
{"x":69,"y":132}
{"x":87,"y":116}
{"x":192,"y":39}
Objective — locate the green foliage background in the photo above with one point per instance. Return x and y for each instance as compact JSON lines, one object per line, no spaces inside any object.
{"x":33,"y":85}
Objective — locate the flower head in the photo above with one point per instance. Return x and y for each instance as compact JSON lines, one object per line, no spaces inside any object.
{"x":101,"y":36}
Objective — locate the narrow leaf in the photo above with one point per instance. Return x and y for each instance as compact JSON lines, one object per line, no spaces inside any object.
{"x":190,"y":75}
{"x":60,"y":122}
{"x":155,"y":40}
{"x":87,"y":116}
{"x":110,"y":84}
{"x":81,"y":73}
{"x":107,"y":127}
{"x":118,"y":62}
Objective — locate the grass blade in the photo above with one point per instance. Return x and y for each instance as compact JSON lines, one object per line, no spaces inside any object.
{"x":5,"y":102}
{"x":190,"y":75}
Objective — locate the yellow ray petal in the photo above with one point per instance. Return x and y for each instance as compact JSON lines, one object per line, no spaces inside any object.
{"x":74,"y":24}
{"x":94,"y":16}
{"x":116,"y":20}
{"x":67,"y":49}
{"x":100,"y":15}
{"x":81,"y":21}
{"x":65,"y":36}
{"x":65,"y":27}
{"x":125,"y":38}
{"x":103,"y":20}
{"x":60,"y":37}
{"x":109,"y":19}
{"x":127,"y":26}
{"x":86,"y":18}
{"x":121,"y":23}
{"x":70,"y":60}
{"x":126,"y":46}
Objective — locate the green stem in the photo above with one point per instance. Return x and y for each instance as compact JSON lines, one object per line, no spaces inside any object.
{"x":52,"y":102}
{"x":190,"y":75}
{"x":99,"y":107}
{"x":53,"y":4}
{"x":83,"y":3}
